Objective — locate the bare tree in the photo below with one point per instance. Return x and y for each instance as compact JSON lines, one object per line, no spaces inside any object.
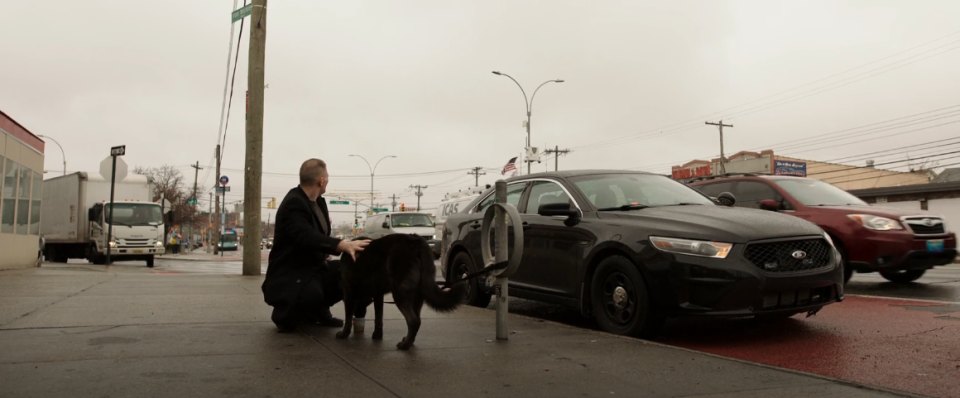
{"x":169,"y":185}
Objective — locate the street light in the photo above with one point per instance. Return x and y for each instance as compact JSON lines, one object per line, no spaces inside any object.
{"x":62,"y":153}
{"x":372,"y":170}
{"x":529,"y":105}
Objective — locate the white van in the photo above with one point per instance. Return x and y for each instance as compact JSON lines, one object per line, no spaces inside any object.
{"x":407,"y":222}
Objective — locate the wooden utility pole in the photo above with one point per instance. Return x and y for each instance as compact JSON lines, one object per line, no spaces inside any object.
{"x":419,"y":193}
{"x":254,"y":139}
{"x":196,"y":201}
{"x":556,"y":151}
{"x":216,"y":206}
{"x":476,"y":172}
{"x":393,"y":202}
{"x":723,"y":160}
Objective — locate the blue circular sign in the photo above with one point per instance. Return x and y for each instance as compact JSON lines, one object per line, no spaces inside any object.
{"x":224,"y":180}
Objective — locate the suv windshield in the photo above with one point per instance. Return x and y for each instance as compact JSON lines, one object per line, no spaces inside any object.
{"x":636,"y":191}
{"x":411,"y":220}
{"x":818,"y":193}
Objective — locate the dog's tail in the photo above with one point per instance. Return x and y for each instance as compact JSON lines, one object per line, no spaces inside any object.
{"x":441,"y":300}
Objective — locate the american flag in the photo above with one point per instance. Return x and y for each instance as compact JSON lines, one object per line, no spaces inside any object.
{"x":511,"y":166}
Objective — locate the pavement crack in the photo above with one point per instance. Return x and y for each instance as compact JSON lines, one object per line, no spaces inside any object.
{"x":62,"y":299}
{"x":355,"y":367}
{"x":922,"y":332}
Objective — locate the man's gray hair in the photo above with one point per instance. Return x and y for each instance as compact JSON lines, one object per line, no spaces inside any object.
{"x":311,"y":170}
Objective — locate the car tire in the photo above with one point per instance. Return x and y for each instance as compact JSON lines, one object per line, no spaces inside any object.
{"x":620,"y":300}
{"x":462,"y":266}
{"x":903,"y":275}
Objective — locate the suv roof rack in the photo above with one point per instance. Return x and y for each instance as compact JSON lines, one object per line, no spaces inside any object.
{"x":702,"y":178}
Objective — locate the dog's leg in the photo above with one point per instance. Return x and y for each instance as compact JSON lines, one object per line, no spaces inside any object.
{"x":348,"y":309}
{"x":377,"y":317}
{"x":410,"y":307}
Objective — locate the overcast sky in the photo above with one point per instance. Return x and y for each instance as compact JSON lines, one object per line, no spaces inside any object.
{"x":823,"y":80}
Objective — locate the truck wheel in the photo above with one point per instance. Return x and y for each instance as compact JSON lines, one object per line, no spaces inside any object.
{"x":620,"y":300}
{"x":903,"y":275}
{"x":99,"y":260}
{"x":150,"y":262}
{"x":462,"y":266}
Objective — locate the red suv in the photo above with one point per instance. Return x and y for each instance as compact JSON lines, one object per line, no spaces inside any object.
{"x":900,"y":244}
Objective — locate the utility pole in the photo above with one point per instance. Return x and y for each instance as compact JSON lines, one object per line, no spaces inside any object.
{"x":254,"y":155}
{"x":393,"y":202}
{"x":216,"y":205}
{"x":476,"y":172}
{"x":723,"y":160}
{"x":419,"y":193}
{"x":193,"y":222}
{"x":556,"y":151}
{"x":209,"y":222}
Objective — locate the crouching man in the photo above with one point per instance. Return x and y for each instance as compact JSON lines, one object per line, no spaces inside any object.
{"x":300,"y":284}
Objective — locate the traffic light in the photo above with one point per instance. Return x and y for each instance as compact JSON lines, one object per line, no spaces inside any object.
{"x":403,"y":207}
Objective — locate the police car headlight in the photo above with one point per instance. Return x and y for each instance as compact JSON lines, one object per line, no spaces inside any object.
{"x":700,"y":248}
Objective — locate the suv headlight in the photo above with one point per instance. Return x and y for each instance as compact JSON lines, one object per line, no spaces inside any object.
{"x":876,"y":223}
{"x":699,"y":248}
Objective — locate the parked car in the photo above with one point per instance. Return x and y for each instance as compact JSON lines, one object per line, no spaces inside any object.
{"x":407,"y":222}
{"x":900,"y":244}
{"x":632,"y":249}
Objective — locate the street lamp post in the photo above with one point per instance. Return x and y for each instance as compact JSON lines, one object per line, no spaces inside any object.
{"x":529,"y":105}
{"x":372,"y":171}
{"x":62,"y":153}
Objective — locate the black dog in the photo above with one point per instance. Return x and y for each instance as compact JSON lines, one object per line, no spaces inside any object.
{"x":402,"y":265}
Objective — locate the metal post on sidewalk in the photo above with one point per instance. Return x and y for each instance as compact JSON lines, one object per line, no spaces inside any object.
{"x":500,"y":225}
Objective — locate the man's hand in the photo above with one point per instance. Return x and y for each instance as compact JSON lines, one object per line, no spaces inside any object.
{"x":352,"y":247}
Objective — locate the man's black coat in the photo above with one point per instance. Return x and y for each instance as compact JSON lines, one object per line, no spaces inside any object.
{"x":298,"y":258}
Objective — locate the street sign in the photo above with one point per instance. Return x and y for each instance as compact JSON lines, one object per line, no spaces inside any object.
{"x":221,"y":190}
{"x":241,"y":12}
{"x":192,"y":201}
{"x":106,"y":167}
{"x":224,"y":180}
{"x":339,"y":202}
{"x":380,"y":209}
{"x":118,"y":150}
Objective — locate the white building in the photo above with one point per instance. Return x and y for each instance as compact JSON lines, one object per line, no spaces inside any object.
{"x":21,"y":166}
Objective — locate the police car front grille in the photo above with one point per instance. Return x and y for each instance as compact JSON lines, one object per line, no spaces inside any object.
{"x":789,"y":256}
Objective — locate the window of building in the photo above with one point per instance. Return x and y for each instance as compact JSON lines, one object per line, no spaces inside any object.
{"x":35,"y":196}
{"x":23,"y":201}
{"x":11,"y":171}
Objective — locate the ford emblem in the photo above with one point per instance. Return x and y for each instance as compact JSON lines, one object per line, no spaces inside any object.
{"x":798,"y":254}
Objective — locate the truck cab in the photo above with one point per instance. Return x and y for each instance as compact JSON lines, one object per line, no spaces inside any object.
{"x":137,"y":231}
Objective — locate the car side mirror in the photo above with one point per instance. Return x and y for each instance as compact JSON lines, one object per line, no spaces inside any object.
{"x":560,"y":209}
{"x":769,"y":204}
{"x":385,"y":225}
{"x":726,"y":199}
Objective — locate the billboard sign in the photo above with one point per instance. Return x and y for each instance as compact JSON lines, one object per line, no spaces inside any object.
{"x":789,"y":168}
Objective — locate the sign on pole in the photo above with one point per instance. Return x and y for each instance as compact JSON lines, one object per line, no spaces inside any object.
{"x":241,"y":12}
{"x":118,"y":150}
{"x":339,"y":202}
{"x":224,"y":180}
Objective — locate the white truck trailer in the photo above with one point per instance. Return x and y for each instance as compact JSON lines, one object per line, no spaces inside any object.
{"x":75,"y":212}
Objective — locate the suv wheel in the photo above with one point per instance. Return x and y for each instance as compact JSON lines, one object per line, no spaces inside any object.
{"x":620,"y":300}
{"x":903,"y":275}
{"x":461,"y":267}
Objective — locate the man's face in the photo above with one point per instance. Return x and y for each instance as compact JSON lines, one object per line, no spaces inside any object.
{"x":322,"y":182}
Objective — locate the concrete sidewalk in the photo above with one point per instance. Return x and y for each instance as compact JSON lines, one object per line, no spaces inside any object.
{"x":121,"y":331}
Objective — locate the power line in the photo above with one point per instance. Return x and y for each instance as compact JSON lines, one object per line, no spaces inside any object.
{"x":677,"y":127}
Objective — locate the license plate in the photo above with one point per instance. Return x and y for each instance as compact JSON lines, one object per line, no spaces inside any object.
{"x":137,"y":251}
{"x":935,"y":246}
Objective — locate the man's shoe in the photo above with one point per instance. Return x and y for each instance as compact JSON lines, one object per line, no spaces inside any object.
{"x":330,"y":322}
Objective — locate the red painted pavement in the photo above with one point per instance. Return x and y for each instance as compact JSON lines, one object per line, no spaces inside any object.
{"x":905,"y":345}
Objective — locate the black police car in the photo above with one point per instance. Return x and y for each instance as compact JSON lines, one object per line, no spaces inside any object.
{"x":633,"y":248}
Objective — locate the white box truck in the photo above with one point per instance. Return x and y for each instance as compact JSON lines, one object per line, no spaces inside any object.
{"x":74,"y":214}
